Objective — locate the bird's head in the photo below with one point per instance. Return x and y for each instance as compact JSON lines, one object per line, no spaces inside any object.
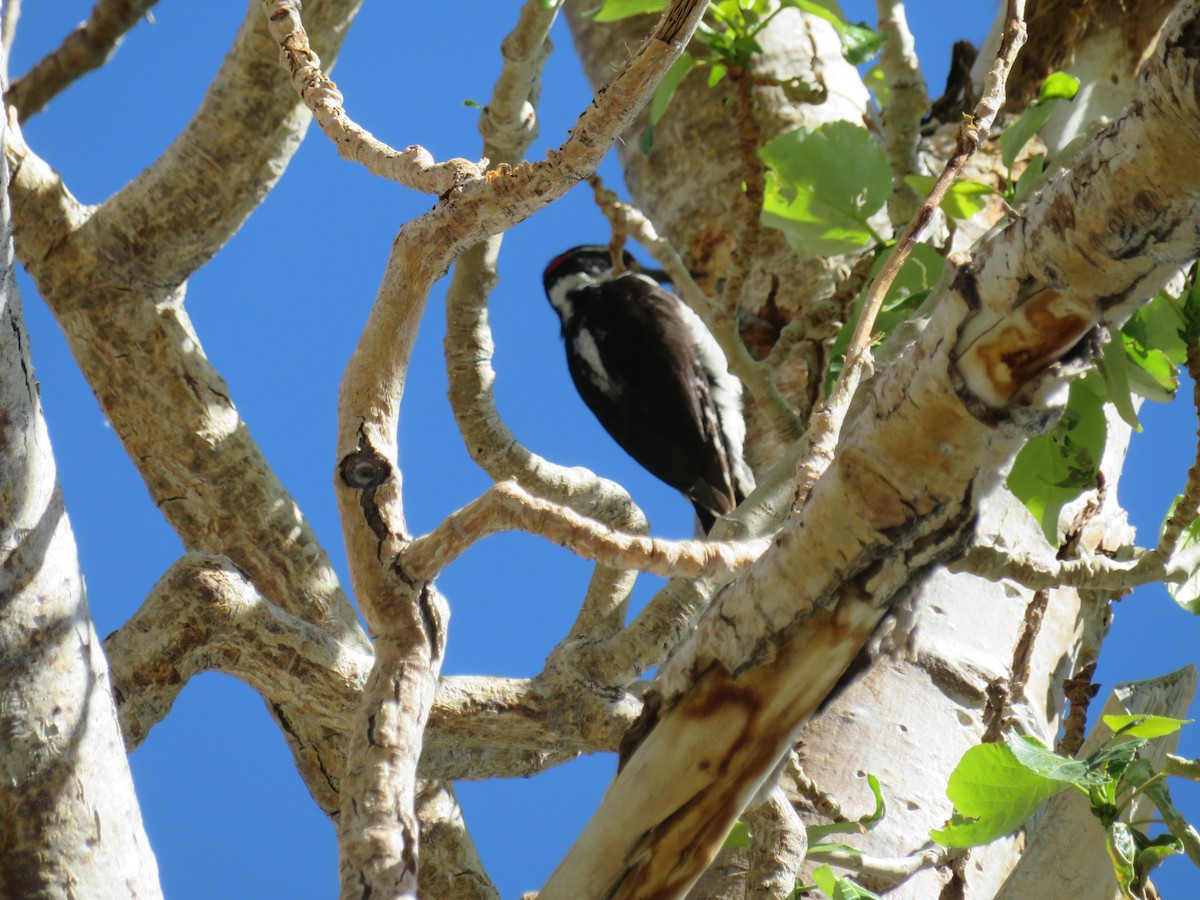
{"x":580,"y":267}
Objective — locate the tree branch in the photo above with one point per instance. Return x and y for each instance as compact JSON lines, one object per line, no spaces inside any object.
{"x":377,"y":832}
{"x":412,"y":167}
{"x":84,"y":50}
{"x":1094,"y":573}
{"x":308,"y":678}
{"x":450,"y":867}
{"x":892,"y":869}
{"x":908,"y":101}
{"x":507,"y":507}
{"x":970,"y":135}
{"x":778,"y":844}
{"x":1188,"y":507}
{"x":113,"y":277}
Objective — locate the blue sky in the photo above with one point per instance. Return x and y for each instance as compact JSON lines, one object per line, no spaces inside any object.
{"x":216,"y":783}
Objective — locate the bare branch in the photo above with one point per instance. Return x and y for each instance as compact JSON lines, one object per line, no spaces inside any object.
{"x":508,"y":507}
{"x":509,"y":122}
{"x":85,"y":49}
{"x":672,"y":612}
{"x":8,"y":35}
{"x":450,"y":867}
{"x":377,"y":830}
{"x":1094,"y":573}
{"x":892,"y":869}
{"x":412,"y":167}
{"x":908,"y":101}
{"x":117,"y":271}
{"x":308,"y":678}
{"x":778,"y":844}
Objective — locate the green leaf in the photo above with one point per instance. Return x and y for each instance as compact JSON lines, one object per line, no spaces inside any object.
{"x":861,"y":43}
{"x":820,"y":850}
{"x":1054,"y":468}
{"x":964,"y":198}
{"x":1160,"y":325}
{"x":647,"y":142}
{"x":877,"y":84}
{"x":1155,"y":346}
{"x":1153,"y":853}
{"x":1113,"y":368}
{"x":1030,"y":180}
{"x":716,"y":73}
{"x":1017,"y":135}
{"x":824,"y":9}
{"x":1038,"y":758}
{"x":993,"y":794}
{"x":1187,"y":592}
{"x":1144,"y":726}
{"x":825,"y":879}
{"x":665,"y":91}
{"x":1191,"y":314}
{"x":1059,"y":86}
{"x":873,"y":818}
{"x":739,"y":837}
{"x":839,"y":888}
{"x":823,"y":184}
{"x":615,"y":10}
{"x":1122,"y":849}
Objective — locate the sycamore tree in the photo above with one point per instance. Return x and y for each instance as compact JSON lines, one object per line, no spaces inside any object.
{"x":944,"y":313}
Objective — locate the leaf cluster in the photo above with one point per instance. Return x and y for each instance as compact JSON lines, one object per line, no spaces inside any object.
{"x":995,"y":789}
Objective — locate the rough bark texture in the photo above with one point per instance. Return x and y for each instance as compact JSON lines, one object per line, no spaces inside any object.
{"x":69,"y":820}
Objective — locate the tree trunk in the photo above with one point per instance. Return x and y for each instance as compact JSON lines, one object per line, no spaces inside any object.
{"x":69,"y":820}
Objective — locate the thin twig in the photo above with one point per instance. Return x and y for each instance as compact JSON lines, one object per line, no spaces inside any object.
{"x":1001,"y":691}
{"x":508,"y":507}
{"x":1093,"y":573}
{"x":8,"y":36}
{"x":85,"y":49}
{"x":970,"y":135}
{"x":894,"y":869}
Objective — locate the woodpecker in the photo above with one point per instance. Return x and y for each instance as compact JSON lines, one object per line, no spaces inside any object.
{"x":652,"y":373}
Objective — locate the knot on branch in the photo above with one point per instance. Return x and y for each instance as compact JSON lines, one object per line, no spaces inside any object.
{"x":364,"y":469}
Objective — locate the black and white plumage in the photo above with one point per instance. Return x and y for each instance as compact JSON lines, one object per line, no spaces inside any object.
{"x":653,"y":375}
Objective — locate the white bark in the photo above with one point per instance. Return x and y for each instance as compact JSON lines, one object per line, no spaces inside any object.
{"x":69,"y":820}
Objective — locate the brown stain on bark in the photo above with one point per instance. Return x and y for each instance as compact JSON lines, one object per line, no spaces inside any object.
{"x":1018,"y":353}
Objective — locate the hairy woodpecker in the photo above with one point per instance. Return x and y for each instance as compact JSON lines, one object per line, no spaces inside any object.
{"x":653,"y":375}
